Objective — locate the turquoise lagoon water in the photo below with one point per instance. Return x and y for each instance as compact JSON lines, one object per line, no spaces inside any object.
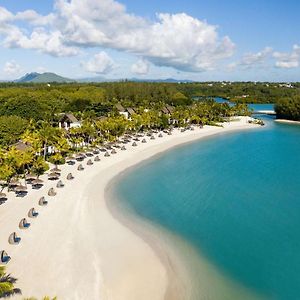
{"x":236,"y":199}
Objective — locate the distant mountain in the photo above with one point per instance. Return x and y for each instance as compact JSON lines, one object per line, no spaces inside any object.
{"x":52,"y":77}
{"x":43,"y":78}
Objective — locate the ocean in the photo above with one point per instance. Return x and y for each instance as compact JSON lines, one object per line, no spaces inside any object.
{"x":234,"y":199}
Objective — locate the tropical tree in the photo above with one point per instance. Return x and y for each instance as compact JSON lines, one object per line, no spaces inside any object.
{"x":7,"y":284}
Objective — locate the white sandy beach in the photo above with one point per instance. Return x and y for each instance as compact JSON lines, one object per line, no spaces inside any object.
{"x":287,"y":121}
{"x":75,"y":248}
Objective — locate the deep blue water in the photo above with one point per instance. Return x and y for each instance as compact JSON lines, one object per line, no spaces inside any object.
{"x":236,"y":198}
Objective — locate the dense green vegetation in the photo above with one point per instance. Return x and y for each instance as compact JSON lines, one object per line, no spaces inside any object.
{"x":288,"y":108}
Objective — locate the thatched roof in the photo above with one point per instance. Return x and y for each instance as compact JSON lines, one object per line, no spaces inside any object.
{"x":32,"y":213}
{"x":51,"y":192}
{"x":80,"y":167}
{"x":70,"y":176}
{"x":60,"y":184}
{"x":130,"y":110}
{"x":68,"y":118}
{"x":120,"y":108}
{"x":4,"y":257}
{"x":13,"y":239}
{"x":21,"y":188}
{"x":24,"y":224}
{"x":97,"y":158}
{"x":22,"y":146}
{"x":42,"y":201}
{"x":37,"y":181}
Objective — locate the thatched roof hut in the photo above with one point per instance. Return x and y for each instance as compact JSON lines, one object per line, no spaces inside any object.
{"x":4,"y":257}
{"x":24,"y":224}
{"x":32,"y":213}
{"x":70,"y":176}
{"x":51,"y":192}
{"x":13,"y":239}
{"x":43,"y":202}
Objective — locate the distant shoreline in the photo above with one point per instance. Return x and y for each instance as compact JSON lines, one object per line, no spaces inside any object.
{"x":285,"y":121}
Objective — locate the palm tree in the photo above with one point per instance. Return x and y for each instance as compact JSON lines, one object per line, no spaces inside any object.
{"x":7,"y":283}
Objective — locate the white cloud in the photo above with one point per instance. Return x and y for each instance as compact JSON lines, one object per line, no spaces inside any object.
{"x":174,"y":40}
{"x":141,"y":67}
{"x":34,"y":18}
{"x":288,"y":60}
{"x":11,"y":68}
{"x":254,"y":59}
{"x":101,"y":63}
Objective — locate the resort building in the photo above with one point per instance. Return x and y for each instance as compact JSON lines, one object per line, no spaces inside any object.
{"x":126,"y":112}
{"x":68,"y":121}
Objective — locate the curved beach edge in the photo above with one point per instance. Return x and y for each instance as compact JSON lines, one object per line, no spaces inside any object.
{"x":82,"y":246}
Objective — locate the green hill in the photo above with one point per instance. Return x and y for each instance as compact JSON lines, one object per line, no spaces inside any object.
{"x":43,"y":78}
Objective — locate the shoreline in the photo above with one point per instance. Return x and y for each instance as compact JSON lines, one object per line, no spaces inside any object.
{"x":285,"y":121}
{"x":79,"y":234}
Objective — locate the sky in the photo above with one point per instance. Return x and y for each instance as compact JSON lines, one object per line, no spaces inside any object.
{"x":211,"y":40}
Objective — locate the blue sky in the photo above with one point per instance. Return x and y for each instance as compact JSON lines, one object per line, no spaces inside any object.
{"x":199,"y":40}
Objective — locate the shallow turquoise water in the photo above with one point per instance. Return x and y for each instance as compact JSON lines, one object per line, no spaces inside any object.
{"x":236,"y":198}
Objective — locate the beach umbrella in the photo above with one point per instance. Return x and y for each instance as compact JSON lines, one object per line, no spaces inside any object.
{"x":97,"y":158}
{"x":51,"y":192}
{"x":14,"y":182}
{"x":60,"y":184}
{"x":113,"y":151}
{"x":134,"y":144}
{"x":80,"y":168}
{"x":30,"y":177}
{"x":13,"y":239}
{"x":20,"y":189}
{"x":152,"y":137}
{"x":4,"y":257}
{"x":24,"y":224}
{"x":42,"y":201}
{"x":160,"y":135}
{"x":89,"y":154}
{"x":89,"y":162}
{"x":32,"y":213}
{"x":123,"y":148}
{"x":37,"y":181}
{"x":70,"y":176}
{"x":55,"y":170}
{"x":106,"y":154}
{"x":2,"y":196}
{"x":144,"y":141}
{"x":53,"y":176}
